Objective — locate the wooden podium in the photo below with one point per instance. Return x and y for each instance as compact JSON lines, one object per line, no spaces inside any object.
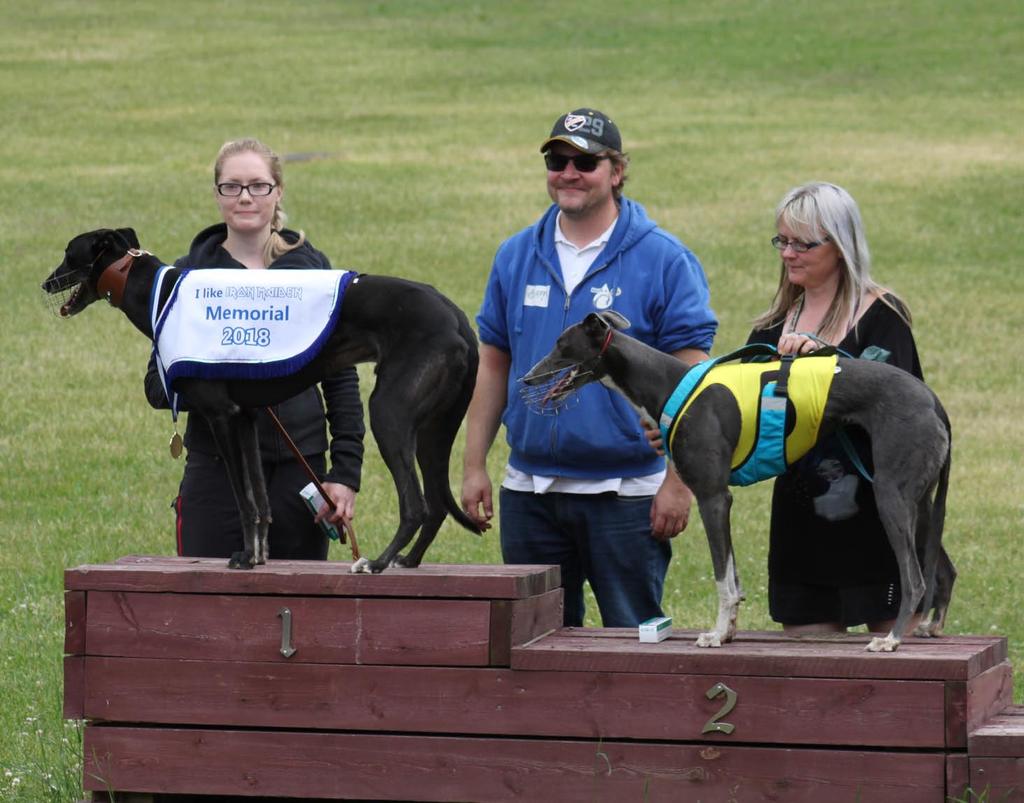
{"x":457,"y":683}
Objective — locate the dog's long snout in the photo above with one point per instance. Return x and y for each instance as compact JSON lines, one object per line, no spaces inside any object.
{"x":543,"y":370}
{"x":532,"y":376}
{"x":50,"y":285}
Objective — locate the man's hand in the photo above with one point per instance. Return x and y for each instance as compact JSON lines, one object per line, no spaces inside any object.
{"x":477,"y":497}
{"x":670,"y":511}
{"x":482,"y":421}
{"x":653,"y":435}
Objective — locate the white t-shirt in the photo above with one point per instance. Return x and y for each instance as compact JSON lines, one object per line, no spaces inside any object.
{"x":575,"y":261}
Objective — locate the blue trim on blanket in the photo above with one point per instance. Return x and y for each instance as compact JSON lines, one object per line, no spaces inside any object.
{"x":155,"y":321}
{"x":170,"y":302}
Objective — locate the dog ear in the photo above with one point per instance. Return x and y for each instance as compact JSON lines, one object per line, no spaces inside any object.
{"x":595,"y":326}
{"x":614,"y":319}
{"x":127,"y":238}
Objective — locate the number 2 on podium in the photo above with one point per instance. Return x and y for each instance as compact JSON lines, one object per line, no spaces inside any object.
{"x":713,"y":725}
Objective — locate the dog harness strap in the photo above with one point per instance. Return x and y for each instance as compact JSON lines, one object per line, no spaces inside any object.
{"x":679,"y":397}
{"x":851,"y":452}
{"x":782,"y":385}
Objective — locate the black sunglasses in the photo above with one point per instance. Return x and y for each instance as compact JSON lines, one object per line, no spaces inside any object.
{"x":583,"y":162}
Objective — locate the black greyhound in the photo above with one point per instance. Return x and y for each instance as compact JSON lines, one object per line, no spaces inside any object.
{"x":910,"y":444}
{"x":426,"y":355}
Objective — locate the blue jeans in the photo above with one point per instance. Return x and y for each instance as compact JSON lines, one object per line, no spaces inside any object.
{"x":604,"y":539}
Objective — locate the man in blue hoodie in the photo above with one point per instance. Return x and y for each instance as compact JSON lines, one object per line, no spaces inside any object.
{"x":584,"y":489}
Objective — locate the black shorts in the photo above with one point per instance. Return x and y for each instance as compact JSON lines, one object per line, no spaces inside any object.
{"x":803,"y":604}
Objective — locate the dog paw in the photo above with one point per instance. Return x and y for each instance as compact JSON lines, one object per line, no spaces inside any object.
{"x":928,"y":630}
{"x":711,"y":639}
{"x":361,"y":566}
{"x":241,"y":560}
{"x":402,"y":562}
{"x":883,"y":644}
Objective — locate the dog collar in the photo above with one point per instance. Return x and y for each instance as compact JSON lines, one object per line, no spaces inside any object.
{"x":111,"y":283}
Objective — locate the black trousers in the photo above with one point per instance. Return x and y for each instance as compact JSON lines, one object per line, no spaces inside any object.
{"x":208,"y":524}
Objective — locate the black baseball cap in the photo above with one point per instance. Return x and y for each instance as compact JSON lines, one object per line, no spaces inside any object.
{"x":587,"y":130}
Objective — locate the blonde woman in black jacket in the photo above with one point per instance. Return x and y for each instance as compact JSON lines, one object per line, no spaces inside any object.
{"x":248,"y":188}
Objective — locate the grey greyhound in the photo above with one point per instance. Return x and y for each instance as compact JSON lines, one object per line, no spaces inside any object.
{"x":910,"y":444}
{"x":426,"y":356}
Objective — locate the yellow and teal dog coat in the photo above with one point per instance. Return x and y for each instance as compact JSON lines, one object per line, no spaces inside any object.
{"x":761,"y":390}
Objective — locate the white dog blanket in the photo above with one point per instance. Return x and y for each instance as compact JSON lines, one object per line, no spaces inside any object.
{"x":243,"y":324}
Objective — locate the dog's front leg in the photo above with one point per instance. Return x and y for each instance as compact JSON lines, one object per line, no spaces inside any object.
{"x":225,"y":429}
{"x":714,"y":511}
{"x":252,"y":463}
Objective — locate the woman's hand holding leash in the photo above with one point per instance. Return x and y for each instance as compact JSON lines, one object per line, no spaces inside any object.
{"x":344,"y":499}
{"x":799,"y":343}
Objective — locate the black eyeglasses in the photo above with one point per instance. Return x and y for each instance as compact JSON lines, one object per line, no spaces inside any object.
{"x":782,"y":243}
{"x":230,"y":189}
{"x":583,"y":162}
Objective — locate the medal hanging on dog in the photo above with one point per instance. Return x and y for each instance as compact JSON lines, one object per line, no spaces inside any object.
{"x":175,"y":444}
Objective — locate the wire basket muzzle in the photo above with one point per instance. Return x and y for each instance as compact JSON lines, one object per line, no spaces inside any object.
{"x":554,"y":392}
{"x":58,"y":292}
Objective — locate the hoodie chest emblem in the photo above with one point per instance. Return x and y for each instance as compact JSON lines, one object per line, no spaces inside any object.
{"x":604,"y":296}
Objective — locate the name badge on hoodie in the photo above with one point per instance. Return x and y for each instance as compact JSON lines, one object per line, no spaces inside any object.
{"x":536,"y":295}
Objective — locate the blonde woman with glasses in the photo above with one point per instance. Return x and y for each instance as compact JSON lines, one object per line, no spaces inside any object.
{"x":248,"y":188}
{"x":830,"y":564}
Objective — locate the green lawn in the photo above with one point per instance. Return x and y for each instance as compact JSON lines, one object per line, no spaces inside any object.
{"x":415,"y":128}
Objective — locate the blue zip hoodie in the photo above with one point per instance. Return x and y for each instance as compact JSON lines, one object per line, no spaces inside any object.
{"x":643,"y":273}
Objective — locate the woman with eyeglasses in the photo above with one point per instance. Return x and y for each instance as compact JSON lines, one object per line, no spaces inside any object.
{"x":830,"y":565}
{"x":248,"y":189}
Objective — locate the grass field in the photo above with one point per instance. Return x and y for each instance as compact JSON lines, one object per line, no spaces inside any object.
{"x":413,"y":129}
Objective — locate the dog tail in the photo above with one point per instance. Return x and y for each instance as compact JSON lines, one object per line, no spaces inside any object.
{"x":459,"y":515}
{"x":462,"y":405}
{"x":433,"y":449}
{"x":434,"y":455}
{"x":435,"y":479}
{"x":942,"y":485}
{"x":941,"y":572}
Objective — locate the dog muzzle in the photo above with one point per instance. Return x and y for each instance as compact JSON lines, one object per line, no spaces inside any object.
{"x":553,"y":392}
{"x":60,"y":294}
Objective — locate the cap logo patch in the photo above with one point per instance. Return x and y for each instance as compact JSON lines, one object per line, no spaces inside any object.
{"x":574,"y":122}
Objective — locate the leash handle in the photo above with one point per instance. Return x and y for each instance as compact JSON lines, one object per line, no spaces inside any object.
{"x":346,"y":526}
